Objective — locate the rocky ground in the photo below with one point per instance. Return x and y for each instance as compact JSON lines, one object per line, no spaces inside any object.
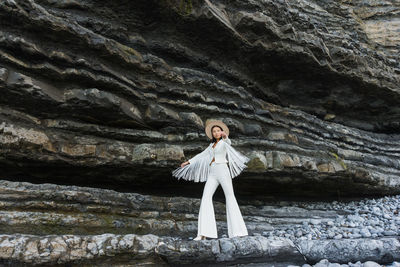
{"x":365,"y":218}
{"x":58,"y":224}
{"x":326,"y":263}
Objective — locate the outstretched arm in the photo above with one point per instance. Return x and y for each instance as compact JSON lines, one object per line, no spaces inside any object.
{"x":197,"y":171}
{"x":200,"y":155}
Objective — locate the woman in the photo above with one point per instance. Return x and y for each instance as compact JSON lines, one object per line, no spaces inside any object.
{"x":218,"y":164}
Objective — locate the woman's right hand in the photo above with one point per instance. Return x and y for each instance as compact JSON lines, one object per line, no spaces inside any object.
{"x":184,"y":164}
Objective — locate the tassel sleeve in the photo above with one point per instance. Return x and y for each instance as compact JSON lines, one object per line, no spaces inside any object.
{"x":198,"y":169}
{"x":202,"y":154}
{"x":236,"y":160}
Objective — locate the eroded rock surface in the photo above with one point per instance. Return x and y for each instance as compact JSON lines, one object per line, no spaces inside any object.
{"x":82,"y":226}
{"x":115,"y":94}
{"x":94,"y":92}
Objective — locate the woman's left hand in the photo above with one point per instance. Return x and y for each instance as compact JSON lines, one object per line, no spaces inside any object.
{"x":223,"y":134}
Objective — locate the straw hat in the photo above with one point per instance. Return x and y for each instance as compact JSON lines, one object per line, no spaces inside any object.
{"x":210,"y":123}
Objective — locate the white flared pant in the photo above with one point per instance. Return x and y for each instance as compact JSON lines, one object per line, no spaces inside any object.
{"x":207,"y":226}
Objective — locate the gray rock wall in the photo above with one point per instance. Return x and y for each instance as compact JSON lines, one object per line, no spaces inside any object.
{"x":98,"y":96}
{"x":118,"y":91}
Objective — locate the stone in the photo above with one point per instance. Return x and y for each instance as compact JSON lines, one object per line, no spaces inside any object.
{"x":315,"y":221}
{"x":365,"y":233}
{"x":387,"y":233}
{"x":371,"y":264}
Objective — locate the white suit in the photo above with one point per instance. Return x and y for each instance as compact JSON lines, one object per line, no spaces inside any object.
{"x":228,"y":164}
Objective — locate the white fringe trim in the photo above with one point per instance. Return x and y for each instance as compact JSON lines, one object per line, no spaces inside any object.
{"x":199,"y":168}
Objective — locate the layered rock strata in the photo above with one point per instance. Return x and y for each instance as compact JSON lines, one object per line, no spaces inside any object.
{"x":101,"y":100}
{"x":50,"y":224}
{"x":109,"y":93}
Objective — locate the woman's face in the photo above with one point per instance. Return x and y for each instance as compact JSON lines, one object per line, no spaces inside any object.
{"x":216,"y":132}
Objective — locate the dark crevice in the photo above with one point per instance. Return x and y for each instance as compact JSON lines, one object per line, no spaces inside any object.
{"x":159,"y":182}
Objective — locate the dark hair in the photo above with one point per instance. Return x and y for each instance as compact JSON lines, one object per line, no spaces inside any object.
{"x":213,"y":138}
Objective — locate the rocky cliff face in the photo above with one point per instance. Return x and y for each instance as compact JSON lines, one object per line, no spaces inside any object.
{"x":114,"y":95}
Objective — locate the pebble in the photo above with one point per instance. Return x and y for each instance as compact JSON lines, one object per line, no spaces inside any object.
{"x":299,"y":233}
{"x":387,"y":216}
{"x":339,"y":236}
{"x":315,"y":221}
{"x":389,"y":232}
{"x":371,"y":264}
{"x":365,"y":233}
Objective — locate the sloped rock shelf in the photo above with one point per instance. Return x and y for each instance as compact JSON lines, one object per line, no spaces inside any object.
{"x":54,"y":224}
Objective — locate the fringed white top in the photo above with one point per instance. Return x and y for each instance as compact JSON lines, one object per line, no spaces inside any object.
{"x":199,"y":167}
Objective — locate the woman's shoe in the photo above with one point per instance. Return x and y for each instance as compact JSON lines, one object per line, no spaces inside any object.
{"x":200,"y":237}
